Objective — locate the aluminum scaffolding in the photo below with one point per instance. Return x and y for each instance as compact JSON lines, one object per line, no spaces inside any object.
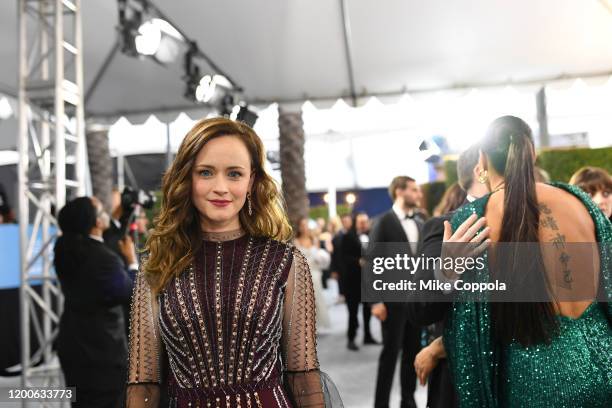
{"x":52,"y":168}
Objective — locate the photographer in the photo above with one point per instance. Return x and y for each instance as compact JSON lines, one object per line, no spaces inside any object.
{"x":127,"y":209}
{"x":92,"y":344}
{"x":126,"y":206}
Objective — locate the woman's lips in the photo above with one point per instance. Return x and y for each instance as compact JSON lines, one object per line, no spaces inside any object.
{"x":220,"y":203}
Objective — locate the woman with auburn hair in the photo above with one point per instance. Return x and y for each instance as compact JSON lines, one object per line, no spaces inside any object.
{"x":222,"y":304}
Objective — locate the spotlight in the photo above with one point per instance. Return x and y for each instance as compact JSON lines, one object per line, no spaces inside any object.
{"x":150,"y":37}
{"x":210,"y":89}
{"x":242,"y":113}
{"x":208,"y":86}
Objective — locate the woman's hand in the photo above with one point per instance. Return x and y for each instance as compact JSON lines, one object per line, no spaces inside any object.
{"x":466,"y":241}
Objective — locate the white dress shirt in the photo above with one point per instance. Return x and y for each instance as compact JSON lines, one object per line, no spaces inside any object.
{"x":410,"y":227}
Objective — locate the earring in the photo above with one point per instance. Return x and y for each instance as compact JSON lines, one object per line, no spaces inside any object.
{"x":249,"y":204}
{"x":483,"y":176}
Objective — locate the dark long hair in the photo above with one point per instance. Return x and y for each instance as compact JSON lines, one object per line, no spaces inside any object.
{"x":509,"y":147}
{"x":76,"y":219}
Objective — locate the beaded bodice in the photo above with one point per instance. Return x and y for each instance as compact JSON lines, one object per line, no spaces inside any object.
{"x":231,"y":324}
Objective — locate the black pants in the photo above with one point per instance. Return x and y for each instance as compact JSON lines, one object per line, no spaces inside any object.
{"x":97,"y":398}
{"x":107,"y":393}
{"x":440,"y":390}
{"x":353,"y":299}
{"x":398,"y":334}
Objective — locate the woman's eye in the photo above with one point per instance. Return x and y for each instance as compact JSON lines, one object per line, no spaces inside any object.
{"x":606,"y":194}
{"x":205,"y":173}
{"x":234,"y":174}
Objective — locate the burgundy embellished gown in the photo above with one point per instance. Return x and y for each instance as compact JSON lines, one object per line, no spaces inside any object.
{"x":236,"y":329}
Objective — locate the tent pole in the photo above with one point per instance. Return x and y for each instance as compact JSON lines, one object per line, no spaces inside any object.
{"x":348,"y":50}
{"x":542,"y":117}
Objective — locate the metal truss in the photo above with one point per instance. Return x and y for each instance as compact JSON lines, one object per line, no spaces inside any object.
{"x":52,"y":168}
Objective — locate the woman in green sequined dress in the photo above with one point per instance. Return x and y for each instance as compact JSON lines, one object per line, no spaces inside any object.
{"x":553,"y":354}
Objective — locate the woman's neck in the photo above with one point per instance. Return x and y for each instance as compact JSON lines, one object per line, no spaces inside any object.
{"x":231,"y":225}
{"x":495,"y":182}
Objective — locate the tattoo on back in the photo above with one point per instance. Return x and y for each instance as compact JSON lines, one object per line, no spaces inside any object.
{"x":558,"y":241}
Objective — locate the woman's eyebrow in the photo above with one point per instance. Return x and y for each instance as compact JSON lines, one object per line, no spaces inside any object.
{"x":210,"y":166}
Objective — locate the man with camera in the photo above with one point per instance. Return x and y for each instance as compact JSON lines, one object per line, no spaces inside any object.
{"x":125,"y":205}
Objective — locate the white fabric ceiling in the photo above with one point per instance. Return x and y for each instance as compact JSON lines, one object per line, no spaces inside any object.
{"x":283,"y":51}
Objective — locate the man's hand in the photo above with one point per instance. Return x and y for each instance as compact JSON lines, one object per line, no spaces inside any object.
{"x":424,"y":363}
{"x":379,"y":310}
{"x":428,"y":358}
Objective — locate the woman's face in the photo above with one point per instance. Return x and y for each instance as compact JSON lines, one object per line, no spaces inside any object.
{"x":604,"y":200}
{"x":221,"y":178}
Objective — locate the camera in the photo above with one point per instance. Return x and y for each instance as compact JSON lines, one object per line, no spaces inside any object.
{"x":132,"y":199}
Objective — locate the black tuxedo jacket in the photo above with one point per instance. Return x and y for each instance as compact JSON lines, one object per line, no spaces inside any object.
{"x":92,"y":342}
{"x":388,"y":228}
{"x":441,"y":392}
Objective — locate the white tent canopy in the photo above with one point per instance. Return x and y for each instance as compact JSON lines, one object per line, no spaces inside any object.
{"x":291,"y":52}
{"x":281,"y":51}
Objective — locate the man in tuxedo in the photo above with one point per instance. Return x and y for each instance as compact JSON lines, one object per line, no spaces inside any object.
{"x":402,"y":223}
{"x":354,"y":244}
{"x":440,"y":391}
{"x":337,"y":264}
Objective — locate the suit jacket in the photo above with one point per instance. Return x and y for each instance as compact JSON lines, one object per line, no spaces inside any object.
{"x":351,"y":254}
{"x":423,"y":313}
{"x":441,"y":392}
{"x":112,"y":236}
{"x":426,"y":313}
{"x":92,"y":342}
{"x":388,"y":228}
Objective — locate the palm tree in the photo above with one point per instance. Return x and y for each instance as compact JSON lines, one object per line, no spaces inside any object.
{"x":100,"y":166}
{"x":293,"y":174}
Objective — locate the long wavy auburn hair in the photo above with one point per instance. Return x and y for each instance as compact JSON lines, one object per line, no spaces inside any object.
{"x":177,"y":235}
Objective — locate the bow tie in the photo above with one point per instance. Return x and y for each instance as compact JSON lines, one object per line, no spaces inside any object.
{"x":409,"y":217}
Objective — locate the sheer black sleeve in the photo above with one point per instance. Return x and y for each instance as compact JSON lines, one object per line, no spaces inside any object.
{"x":143,"y":388}
{"x":299,"y":342}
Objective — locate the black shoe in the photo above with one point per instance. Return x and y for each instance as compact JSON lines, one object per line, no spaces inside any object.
{"x":352,"y":346}
{"x":370,"y":340}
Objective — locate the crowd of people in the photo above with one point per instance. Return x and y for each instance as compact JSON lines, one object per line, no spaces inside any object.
{"x":225,"y":307}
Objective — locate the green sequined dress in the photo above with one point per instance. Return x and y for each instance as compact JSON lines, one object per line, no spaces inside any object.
{"x":574,"y":370}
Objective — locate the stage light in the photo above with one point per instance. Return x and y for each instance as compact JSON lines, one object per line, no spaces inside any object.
{"x":144,"y":34}
{"x":148,"y":39}
{"x":205,"y":90}
{"x":242,"y":113}
{"x":350,"y":198}
{"x":208,"y":86}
